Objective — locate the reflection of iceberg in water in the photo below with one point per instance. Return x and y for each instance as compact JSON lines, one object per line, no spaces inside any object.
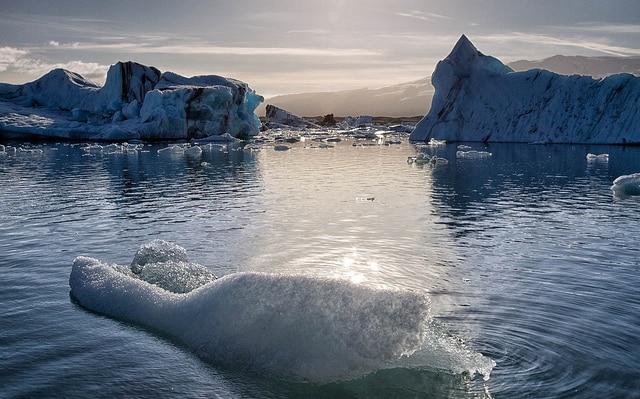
{"x":290,"y":326}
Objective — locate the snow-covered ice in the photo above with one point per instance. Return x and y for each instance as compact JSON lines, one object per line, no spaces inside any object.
{"x":626,"y":186}
{"x":478,"y":98}
{"x":136,"y":102}
{"x":289,"y":326}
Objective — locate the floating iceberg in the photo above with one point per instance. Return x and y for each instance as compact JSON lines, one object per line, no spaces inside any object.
{"x":277,"y":117}
{"x":136,"y":102}
{"x":287,"y":326}
{"x":424,"y":159}
{"x":473,"y":154}
{"x":478,"y":98}
{"x":626,"y":186}
{"x":597,"y":157}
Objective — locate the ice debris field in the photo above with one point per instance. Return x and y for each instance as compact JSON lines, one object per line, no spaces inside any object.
{"x":286,"y":326}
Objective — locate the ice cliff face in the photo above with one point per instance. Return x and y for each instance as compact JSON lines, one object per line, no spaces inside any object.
{"x":478,"y":98}
{"x":136,"y":102}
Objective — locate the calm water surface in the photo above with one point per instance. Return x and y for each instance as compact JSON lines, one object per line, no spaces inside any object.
{"x":526,"y":255}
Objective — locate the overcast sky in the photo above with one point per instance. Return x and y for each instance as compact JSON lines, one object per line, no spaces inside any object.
{"x":295,"y":46}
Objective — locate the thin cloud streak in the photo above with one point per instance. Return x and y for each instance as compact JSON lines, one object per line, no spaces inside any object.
{"x":603,"y":28}
{"x":204,"y":49}
{"x":554,"y":43}
{"x":423,"y":16}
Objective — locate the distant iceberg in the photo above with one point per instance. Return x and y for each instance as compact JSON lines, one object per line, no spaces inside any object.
{"x":136,"y":102}
{"x":277,"y":118}
{"x":478,"y":98}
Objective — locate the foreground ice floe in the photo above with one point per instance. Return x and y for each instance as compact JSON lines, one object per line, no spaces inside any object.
{"x":136,"y":102}
{"x":478,"y":98}
{"x":626,"y":186}
{"x":288,"y":326}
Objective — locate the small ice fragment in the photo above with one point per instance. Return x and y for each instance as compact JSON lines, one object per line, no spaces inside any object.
{"x":93,"y":148}
{"x":419,"y":159}
{"x":218,"y":138}
{"x":174,"y":149}
{"x":193,"y":151}
{"x":433,"y":142}
{"x":598,"y":158}
{"x":626,"y":186}
{"x":472,"y":154}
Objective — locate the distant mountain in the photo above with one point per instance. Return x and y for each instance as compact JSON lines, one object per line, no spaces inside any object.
{"x":414,"y":98}
{"x":405,"y":99}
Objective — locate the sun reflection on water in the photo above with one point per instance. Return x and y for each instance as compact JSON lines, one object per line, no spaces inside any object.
{"x":356,"y":268}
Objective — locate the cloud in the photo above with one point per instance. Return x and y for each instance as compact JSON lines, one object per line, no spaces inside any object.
{"x":9,"y":56}
{"x":206,"y":49}
{"x":423,"y":16}
{"x":20,"y":61}
{"x":554,"y":43}
{"x":604,"y":28}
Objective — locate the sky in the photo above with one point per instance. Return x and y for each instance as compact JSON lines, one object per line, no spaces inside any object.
{"x":282,"y":47}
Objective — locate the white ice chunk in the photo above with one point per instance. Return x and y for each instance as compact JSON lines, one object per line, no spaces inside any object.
{"x":626,"y":186}
{"x":598,"y":157}
{"x":289,"y":326}
{"x":473,"y":154}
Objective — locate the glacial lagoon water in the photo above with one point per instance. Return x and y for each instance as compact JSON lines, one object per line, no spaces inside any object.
{"x":525,"y":254}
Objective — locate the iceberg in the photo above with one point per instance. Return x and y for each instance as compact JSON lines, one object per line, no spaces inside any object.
{"x":277,"y":118}
{"x":626,"y":186}
{"x":303,"y":328}
{"x":136,"y":102}
{"x":597,"y":157}
{"x":478,"y":98}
